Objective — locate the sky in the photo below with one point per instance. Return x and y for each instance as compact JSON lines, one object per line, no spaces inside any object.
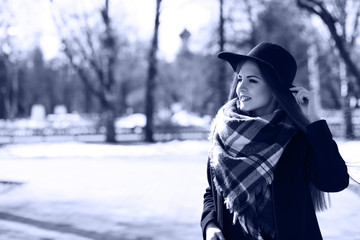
{"x":33,"y":24}
{"x":196,"y":16}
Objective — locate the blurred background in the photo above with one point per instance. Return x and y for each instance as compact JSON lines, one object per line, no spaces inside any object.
{"x":105,"y":107}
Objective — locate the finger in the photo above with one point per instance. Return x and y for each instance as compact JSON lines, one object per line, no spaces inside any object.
{"x":220,"y":236}
{"x":295,"y":92}
{"x":215,"y":237}
{"x":296,"y":89}
{"x":305,"y":96}
{"x":300,"y":97}
{"x":297,"y":96}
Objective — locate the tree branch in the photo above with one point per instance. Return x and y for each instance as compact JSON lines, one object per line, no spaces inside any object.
{"x":81,"y":72}
{"x":308,"y":5}
{"x":340,"y":41}
{"x":355,"y":31}
{"x":68,"y":52}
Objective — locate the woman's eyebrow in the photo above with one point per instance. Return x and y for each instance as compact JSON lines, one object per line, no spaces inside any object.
{"x":251,"y":76}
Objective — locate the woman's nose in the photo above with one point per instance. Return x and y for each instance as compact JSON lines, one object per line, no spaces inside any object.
{"x":241,"y":87}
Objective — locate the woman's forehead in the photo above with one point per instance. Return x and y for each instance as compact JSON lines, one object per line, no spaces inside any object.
{"x":249,"y":67}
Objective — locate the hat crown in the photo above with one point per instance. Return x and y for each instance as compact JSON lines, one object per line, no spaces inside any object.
{"x":272,"y":55}
{"x":278,"y":58}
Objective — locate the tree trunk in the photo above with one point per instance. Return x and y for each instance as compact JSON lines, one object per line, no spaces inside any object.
{"x":110,"y":127}
{"x":109,"y":44}
{"x":314,"y":75}
{"x":3,"y":88}
{"x":150,"y":83}
{"x":221,"y":81}
{"x":88,"y":100}
{"x":108,"y":119}
{"x":347,"y":110}
{"x":14,"y":97}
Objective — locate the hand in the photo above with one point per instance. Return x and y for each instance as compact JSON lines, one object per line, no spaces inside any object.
{"x":306,"y":101}
{"x":213,"y":232}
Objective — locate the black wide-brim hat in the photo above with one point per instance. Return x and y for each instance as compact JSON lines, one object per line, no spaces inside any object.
{"x":270,"y":55}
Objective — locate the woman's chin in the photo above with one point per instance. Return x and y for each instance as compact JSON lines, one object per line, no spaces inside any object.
{"x":245,"y":111}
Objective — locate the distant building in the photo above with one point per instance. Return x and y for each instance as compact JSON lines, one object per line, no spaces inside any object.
{"x":184,"y":48}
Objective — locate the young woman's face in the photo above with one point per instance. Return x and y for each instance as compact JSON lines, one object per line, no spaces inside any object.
{"x":255,"y":96}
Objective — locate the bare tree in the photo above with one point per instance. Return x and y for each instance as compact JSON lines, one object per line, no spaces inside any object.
{"x":93,"y":55}
{"x":318,"y":8}
{"x":336,"y":23}
{"x":8,"y":65}
{"x":152,"y":73}
{"x":3,"y":88}
{"x":221,"y":87}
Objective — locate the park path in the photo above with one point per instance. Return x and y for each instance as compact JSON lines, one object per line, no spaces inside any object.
{"x":133,"y":192}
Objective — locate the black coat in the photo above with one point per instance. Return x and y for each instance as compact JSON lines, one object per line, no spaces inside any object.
{"x":311,"y":157}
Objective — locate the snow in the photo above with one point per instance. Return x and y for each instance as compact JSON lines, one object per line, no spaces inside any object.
{"x":115,"y":190}
{"x":350,"y":152}
{"x":21,"y":231}
{"x":338,"y":222}
{"x":131,"y":121}
{"x":179,"y":117}
{"x":184,"y":118}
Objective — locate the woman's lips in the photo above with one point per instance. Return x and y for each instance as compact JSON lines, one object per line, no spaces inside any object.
{"x":244,"y":98}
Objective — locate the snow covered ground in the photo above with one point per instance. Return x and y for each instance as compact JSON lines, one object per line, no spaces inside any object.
{"x":81,"y":191}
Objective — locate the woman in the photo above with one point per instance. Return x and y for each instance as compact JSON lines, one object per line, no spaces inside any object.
{"x":271,"y":157}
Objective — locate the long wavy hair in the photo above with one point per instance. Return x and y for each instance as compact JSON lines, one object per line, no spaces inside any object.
{"x":287,"y":102}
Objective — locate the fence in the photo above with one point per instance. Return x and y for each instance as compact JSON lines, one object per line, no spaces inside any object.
{"x":97,"y":134}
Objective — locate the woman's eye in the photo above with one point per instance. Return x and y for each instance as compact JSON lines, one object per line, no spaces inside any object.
{"x":253,"y":81}
{"x":239,"y":78}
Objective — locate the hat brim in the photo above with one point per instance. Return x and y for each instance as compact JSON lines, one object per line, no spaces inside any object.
{"x":234,"y":59}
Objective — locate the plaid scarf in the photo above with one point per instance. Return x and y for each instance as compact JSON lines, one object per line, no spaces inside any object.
{"x":243,"y":155}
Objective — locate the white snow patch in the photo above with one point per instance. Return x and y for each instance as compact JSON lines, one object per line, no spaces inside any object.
{"x":95,"y":186}
{"x":185,"y":118}
{"x":131,"y":121}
